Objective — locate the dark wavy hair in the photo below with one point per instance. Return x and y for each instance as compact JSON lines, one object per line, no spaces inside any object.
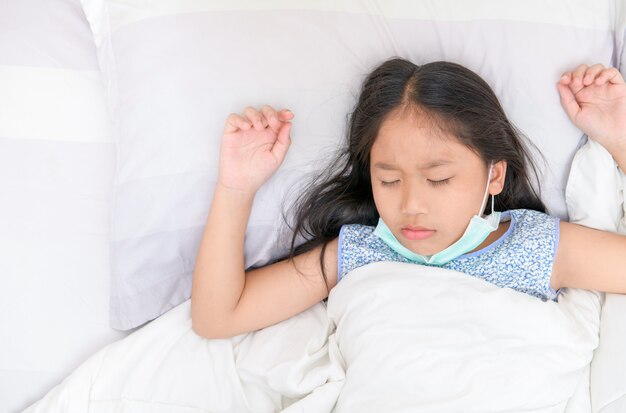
{"x":457,"y":101}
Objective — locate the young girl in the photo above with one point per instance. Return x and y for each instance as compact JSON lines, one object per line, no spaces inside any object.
{"x":430,"y":149}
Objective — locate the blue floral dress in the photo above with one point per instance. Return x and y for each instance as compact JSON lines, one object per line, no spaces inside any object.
{"x":520,"y":259}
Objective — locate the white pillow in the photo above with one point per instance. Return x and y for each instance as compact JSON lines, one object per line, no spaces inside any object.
{"x":174,"y":70}
{"x":56,"y":166}
{"x":416,"y":338}
{"x":596,"y":197}
{"x":620,"y":35}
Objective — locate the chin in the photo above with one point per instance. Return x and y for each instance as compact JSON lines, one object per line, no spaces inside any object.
{"x":419,"y":247}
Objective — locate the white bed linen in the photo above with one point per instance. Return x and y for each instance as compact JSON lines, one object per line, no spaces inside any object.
{"x":436,"y":340}
{"x":595,"y":197}
{"x":166,"y":367}
{"x":398,"y":337}
{"x":55,"y":191}
{"x":174,"y":70}
{"x":56,"y":167}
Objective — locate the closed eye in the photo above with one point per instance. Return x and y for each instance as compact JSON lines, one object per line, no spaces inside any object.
{"x":438,"y":183}
{"x":389,"y":183}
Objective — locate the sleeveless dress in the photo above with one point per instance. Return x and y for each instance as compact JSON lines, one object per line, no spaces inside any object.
{"x":520,"y":259}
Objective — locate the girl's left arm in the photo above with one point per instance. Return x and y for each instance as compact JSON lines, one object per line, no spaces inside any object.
{"x":594,"y":97}
{"x":590,"y":259}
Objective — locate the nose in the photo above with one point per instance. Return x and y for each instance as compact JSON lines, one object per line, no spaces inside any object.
{"x":413,"y":200}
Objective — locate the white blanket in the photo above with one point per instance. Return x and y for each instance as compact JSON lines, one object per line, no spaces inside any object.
{"x":395,"y":337}
{"x":596,"y":197}
{"x":441,"y":341}
{"x":166,"y":367}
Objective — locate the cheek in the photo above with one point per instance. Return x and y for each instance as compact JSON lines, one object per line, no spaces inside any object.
{"x":452,"y":208}
{"x":460,"y":211}
{"x":386,"y":202}
{"x":379,"y":199}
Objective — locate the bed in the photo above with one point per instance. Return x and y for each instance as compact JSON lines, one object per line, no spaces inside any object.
{"x":110,"y":119}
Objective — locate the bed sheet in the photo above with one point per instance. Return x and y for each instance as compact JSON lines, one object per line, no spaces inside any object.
{"x":432,"y":339}
{"x":56,"y":167}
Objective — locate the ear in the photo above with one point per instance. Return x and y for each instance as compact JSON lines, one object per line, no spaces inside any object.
{"x":498,"y":175}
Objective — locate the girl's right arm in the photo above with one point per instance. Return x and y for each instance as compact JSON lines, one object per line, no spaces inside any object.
{"x":225,"y":300}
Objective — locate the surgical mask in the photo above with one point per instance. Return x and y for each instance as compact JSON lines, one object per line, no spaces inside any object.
{"x":475,"y":233}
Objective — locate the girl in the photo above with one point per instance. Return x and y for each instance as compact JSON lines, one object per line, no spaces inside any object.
{"x":429,"y":149}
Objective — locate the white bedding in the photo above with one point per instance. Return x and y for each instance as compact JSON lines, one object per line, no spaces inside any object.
{"x":166,"y":367}
{"x":395,"y":337}
{"x":595,"y":197}
{"x":441,"y":341}
{"x":57,"y":160}
{"x":58,"y":157}
{"x":173,"y":70}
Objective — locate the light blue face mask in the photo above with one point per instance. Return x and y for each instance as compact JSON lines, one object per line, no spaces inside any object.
{"x":477,"y":231}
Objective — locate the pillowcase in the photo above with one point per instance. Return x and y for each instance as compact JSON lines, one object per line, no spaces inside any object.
{"x":56,"y":164}
{"x":620,"y":36}
{"x":174,"y":70}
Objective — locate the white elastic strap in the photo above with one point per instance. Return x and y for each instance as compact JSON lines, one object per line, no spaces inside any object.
{"x":486,"y":196}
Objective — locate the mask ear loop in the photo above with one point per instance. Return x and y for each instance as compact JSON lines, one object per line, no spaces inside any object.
{"x":485,"y":198}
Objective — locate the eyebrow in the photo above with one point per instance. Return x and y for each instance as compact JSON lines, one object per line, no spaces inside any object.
{"x":430,"y":165}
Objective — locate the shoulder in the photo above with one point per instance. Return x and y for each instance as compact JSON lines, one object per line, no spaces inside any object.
{"x":354,"y":239}
{"x":355,"y":233}
{"x":535,"y":231}
{"x":530,"y":215}
{"x":530,"y":220}
{"x":358,"y":246}
{"x":533,"y":246}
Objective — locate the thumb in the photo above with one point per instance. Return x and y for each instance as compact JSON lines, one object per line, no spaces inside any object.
{"x":568,"y":101}
{"x":283,"y":140}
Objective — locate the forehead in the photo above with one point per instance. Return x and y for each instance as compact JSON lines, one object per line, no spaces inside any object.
{"x":413,"y":137}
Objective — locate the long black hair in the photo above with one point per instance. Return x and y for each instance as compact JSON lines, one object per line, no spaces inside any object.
{"x":457,"y":100}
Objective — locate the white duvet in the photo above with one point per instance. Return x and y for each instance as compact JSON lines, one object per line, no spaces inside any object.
{"x":394,"y":337}
{"x":436,"y":340}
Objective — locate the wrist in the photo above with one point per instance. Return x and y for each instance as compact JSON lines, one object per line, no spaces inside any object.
{"x":613,"y":145}
{"x":234,"y":192}
{"x":230,"y":208}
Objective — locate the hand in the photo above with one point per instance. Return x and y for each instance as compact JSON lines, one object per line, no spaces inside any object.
{"x":594,"y":98}
{"x":253,"y":146}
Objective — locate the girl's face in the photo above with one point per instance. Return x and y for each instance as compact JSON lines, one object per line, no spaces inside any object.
{"x":426,"y":184}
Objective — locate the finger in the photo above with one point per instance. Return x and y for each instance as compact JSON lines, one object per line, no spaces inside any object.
{"x":254,"y":117}
{"x":271,"y":117}
{"x":577,"y":78}
{"x":283,"y":140}
{"x":592,"y":73}
{"x":566,"y":78}
{"x":568,"y":101}
{"x":285,"y":115}
{"x":235,"y":122}
{"x":610,"y":74}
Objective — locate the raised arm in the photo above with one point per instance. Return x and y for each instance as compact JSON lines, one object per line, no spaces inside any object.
{"x":225,"y":300}
{"x":595,"y":100}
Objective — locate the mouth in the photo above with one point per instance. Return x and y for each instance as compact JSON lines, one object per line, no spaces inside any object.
{"x":417,"y":233}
